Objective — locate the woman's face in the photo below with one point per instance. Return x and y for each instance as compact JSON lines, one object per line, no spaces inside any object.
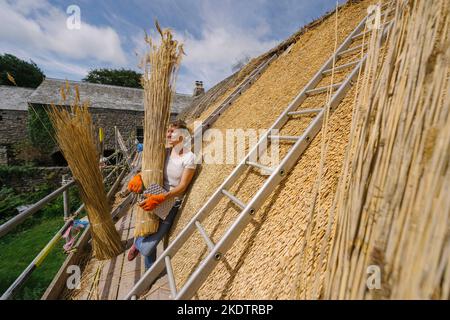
{"x":173,"y":136}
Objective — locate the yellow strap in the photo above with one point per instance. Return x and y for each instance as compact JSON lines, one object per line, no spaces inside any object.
{"x":44,"y":253}
{"x":100,"y":134}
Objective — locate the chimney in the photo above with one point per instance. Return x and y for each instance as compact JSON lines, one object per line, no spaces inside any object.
{"x":198,"y":90}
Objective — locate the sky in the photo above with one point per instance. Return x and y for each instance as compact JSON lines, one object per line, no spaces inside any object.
{"x":110,"y":34}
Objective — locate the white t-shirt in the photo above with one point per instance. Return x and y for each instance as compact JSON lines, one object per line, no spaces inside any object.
{"x":174,"y":167}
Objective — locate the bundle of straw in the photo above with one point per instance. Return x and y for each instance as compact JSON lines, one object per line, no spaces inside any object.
{"x":392,"y":210}
{"x":160,"y":66}
{"x":74,"y":133}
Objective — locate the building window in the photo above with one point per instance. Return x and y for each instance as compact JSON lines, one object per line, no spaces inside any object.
{"x":140,"y":134}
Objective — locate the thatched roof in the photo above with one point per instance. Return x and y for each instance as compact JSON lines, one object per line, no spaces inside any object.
{"x":14,"y":98}
{"x":200,"y":103}
{"x":101,"y":96}
{"x":263,"y":263}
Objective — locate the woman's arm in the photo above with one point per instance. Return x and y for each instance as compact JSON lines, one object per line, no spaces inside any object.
{"x":186,"y":179}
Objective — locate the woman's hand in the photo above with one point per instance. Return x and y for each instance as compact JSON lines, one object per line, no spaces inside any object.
{"x":152,"y":201}
{"x":135,"y":185}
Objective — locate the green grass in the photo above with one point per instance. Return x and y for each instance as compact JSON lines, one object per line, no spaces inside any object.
{"x":19,"y":249}
{"x":21,"y":245}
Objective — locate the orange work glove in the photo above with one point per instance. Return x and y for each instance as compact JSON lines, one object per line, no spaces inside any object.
{"x":135,"y":185}
{"x":152,"y":201}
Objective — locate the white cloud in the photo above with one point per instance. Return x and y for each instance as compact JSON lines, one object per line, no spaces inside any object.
{"x":40,"y":29}
{"x":211,"y":57}
{"x":226,"y":31}
{"x":222,"y":42}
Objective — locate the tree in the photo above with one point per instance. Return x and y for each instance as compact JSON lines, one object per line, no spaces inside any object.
{"x":25,"y":74}
{"x":118,"y":77}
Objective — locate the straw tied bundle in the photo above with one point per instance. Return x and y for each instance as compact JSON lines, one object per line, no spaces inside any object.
{"x":392,"y":210}
{"x":160,"y":65}
{"x":75,"y":135}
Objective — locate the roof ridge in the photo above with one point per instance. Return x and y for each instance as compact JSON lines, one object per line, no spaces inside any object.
{"x":104,"y":85}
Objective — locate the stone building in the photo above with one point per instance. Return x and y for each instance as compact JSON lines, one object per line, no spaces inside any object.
{"x":110,"y":106}
{"x":13,"y":118}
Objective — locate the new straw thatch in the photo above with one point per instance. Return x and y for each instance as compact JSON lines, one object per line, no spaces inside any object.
{"x":160,"y":66}
{"x":74,"y":133}
{"x":262,"y":264}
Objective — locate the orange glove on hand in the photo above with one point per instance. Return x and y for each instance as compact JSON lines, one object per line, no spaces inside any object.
{"x":135,"y":185}
{"x":152,"y":201}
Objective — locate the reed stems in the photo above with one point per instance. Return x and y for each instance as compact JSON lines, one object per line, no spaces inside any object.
{"x":160,"y":66}
{"x":392,"y":208}
{"x":74,"y":133}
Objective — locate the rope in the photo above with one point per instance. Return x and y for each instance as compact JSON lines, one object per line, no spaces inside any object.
{"x":324,"y":147}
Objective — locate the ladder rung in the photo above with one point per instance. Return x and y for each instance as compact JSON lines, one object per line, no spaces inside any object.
{"x":238,"y":202}
{"x":202,"y":231}
{"x":286,"y":138}
{"x":352,"y":50}
{"x":340,"y":68}
{"x":306,"y":111}
{"x":171,"y":278}
{"x":260,"y":166}
{"x":322,"y":89}
{"x":360,"y":35}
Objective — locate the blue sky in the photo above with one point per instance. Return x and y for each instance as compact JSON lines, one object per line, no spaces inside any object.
{"x":216,"y":33}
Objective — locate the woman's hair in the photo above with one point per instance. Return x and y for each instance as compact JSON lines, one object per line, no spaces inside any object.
{"x":180,"y":124}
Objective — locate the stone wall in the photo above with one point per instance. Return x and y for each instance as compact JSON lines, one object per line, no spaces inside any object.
{"x":13,"y":129}
{"x":3,"y":155}
{"x":127,"y":122}
{"x":13,"y":126}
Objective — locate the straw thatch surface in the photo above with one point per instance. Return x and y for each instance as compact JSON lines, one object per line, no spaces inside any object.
{"x":262,"y":263}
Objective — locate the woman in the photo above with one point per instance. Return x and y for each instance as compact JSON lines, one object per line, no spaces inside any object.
{"x":179,"y":169}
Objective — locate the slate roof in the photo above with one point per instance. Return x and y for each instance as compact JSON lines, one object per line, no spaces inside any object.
{"x":101,"y":96}
{"x":14,"y":98}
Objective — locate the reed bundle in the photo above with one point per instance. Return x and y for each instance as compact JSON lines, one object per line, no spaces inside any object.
{"x":392,"y":209}
{"x":74,"y":133}
{"x":160,"y":66}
